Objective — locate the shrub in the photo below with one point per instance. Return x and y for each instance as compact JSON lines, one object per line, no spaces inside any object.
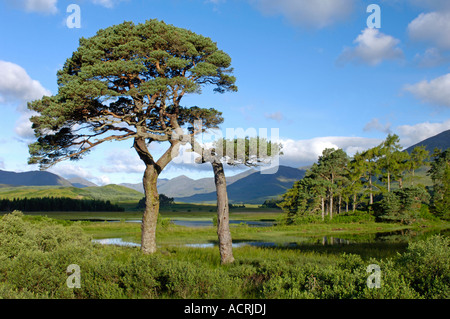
{"x":426,"y":265}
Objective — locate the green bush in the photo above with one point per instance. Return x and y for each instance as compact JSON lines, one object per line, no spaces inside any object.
{"x":426,"y":266}
{"x":35,"y":253}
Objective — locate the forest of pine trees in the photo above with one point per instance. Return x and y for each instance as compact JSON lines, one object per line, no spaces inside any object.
{"x":372,"y":182}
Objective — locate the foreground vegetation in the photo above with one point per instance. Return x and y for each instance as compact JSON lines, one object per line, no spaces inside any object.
{"x":36,"y":251}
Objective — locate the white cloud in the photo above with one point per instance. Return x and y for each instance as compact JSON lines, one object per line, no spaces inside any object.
{"x":23,"y":126}
{"x":432,"y":57}
{"x":412,"y":134}
{"x":17,"y":85}
{"x":432,"y":27}
{"x":436,"y":91}
{"x":123,"y":161}
{"x":41,"y":6}
{"x":106,"y":3}
{"x":276,"y":116}
{"x":309,"y":13}
{"x":299,"y":153}
{"x":50,"y":6}
{"x":372,"y":47}
{"x":376,"y":125}
{"x":68,"y":171}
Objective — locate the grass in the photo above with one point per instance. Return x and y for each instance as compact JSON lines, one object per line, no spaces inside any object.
{"x":113,"y":193}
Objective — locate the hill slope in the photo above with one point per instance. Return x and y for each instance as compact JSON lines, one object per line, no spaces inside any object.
{"x":32,"y":178}
{"x":113,"y":193}
{"x":254,"y":188}
{"x":441,"y":141}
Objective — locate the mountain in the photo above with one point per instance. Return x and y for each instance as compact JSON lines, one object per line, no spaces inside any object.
{"x":441,"y":141}
{"x":183,"y":186}
{"x":81,"y":182}
{"x":253,"y":188}
{"x":32,"y":178}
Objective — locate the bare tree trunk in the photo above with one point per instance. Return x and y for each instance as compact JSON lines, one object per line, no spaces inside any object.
{"x":150,"y":179}
{"x":150,"y":217}
{"x":223,"y":216}
{"x":323,"y":208}
{"x":340,"y":204}
{"x":331,"y":206}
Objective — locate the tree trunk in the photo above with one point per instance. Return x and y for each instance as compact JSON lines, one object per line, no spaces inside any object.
{"x":223,"y":217}
{"x":370,"y":190}
{"x":150,"y":217}
{"x":150,"y":179}
{"x":323,"y":208}
{"x":354,"y":202}
{"x":340,"y":204}
{"x":331,"y":206}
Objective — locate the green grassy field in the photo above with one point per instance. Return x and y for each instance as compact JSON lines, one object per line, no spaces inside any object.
{"x":113,"y":193}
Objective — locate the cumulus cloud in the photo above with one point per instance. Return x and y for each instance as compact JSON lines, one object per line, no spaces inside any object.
{"x":16,"y":85}
{"x":299,"y":153}
{"x":372,"y":47}
{"x":436,"y":91}
{"x":412,"y":134}
{"x":309,"y":13}
{"x":433,"y":28}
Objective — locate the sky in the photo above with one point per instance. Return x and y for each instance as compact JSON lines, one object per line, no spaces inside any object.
{"x":315,"y":74}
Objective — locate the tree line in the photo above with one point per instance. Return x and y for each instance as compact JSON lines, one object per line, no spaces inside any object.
{"x":372,"y":181}
{"x":62,"y":204}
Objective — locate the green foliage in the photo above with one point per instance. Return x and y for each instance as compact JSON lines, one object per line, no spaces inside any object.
{"x":403,"y":205}
{"x":35,"y":253}
{"x":426,"y":265}
{"x":440,"y":174}
{"x":164,"y":201}
{"x":127,"y":73}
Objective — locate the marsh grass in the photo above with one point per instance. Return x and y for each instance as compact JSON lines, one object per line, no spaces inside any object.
{"x":35,"y":252}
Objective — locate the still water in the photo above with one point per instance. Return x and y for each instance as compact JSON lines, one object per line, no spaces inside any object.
{"x":377,"y":245}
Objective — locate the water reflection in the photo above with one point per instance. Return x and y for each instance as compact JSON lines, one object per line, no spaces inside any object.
{"x":115,"y":242}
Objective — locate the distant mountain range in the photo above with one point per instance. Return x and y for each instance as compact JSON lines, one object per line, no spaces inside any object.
{"x":248,"y":187}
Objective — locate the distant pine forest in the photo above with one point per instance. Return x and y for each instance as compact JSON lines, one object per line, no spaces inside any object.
{"x":63,"y":204}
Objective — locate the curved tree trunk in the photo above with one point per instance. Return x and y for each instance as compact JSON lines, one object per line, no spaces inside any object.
{"x":223,"y":216}
{"x":152,"y":171}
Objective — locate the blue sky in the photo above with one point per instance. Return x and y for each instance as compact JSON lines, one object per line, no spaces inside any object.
{"x":311,"y":68}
